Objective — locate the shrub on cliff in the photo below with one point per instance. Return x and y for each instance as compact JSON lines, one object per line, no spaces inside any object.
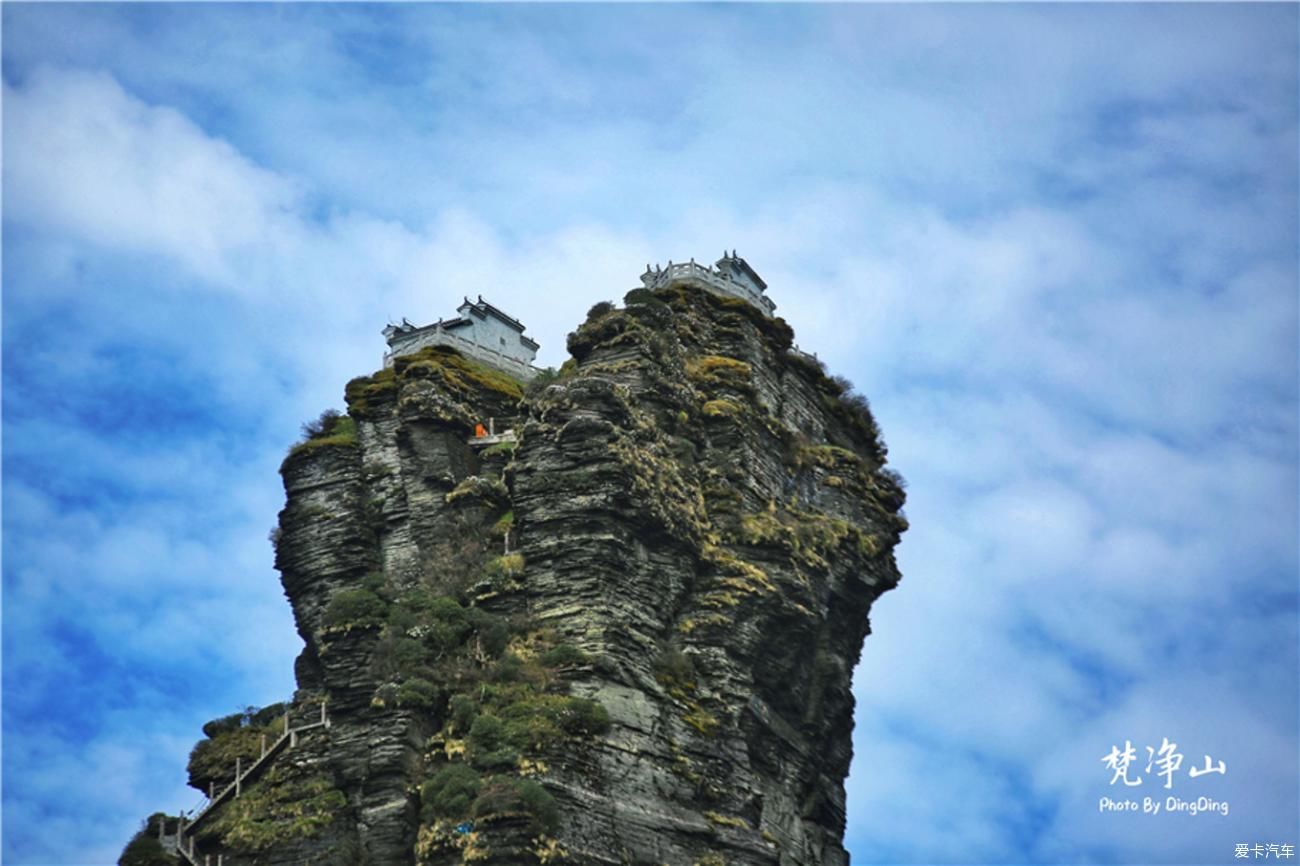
{"x":500,"y":570}
{"x":843,"y":401}
{"x":531,"y":722}
{"x":450,"y":793}
{"x":399,"y":656}
{"x":212,"y":761}
{"x":544,"y":378}
{"x":491,"y":633}
{"x":144,"y":849}
{"x":258,"y":717}
{"x":355,"y":608}
{"x":584,"y":716}
{"x":365,"y":395}
{"x":675,"y":669}
{"x":464,"y":710}
{"x":322,"y":426}
{"x":488,"y":746}
{"x":418,"y":693}
{"x":858,"y":411}
{"x":564,"y":655}
{"x":225,"y":724}
{"x":712,"y":371}
{"x":512,"y":797}
{"x":447,"y":624}
{"x":331,"y":429}
{"x":644,"y":298}
{"x":540,"y":804}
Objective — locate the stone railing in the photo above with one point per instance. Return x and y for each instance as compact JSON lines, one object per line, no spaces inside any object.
{"x":807,"y":356}
{"x":710,"y":278}
{"x":410,"y":342}
{"x":286,"y":740}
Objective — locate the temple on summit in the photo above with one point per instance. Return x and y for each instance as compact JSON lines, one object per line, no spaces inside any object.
{"x":481,"y":331}
{"x":488,"y":334}
{"x":729,"y":275}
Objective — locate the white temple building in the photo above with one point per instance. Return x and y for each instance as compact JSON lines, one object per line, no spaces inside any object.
{"x":730,"y":275}
{"x":481,"y":331}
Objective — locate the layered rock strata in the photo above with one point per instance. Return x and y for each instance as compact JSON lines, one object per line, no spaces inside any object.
{"x":626,"y":636}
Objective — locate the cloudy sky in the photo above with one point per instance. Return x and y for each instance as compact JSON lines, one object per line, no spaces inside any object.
{"x":1055,"y":245}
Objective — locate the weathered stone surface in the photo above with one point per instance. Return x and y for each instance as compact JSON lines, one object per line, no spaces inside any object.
{"x":693,"y":505}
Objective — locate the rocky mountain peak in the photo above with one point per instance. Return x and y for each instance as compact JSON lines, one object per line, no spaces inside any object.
{"x":621,"y":630}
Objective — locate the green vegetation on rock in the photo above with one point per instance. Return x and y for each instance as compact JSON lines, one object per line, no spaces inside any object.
{"x":808,"y":537}
{"x":645,"y":297}
{"x":212,"y":761}
{"x":719,"y":370}
{"x":286,"y":803}
{"x":502,"y":569}
{"x":721,"y":408}
{"x":608,"y":327}
{"x":564,"y":655}
{"x":476,"y":487}
{"x":449,"y":793}
{"x":355,"y":608}
{"x":464,"y":377}
{"x":504,"y":796}
{"x":504,"y":710}
{"x":501,"y":449}
{"x":366,"y":394}
{"x":144,"y":849}
{"x":721,"y":820}
{"x":331,"y":430}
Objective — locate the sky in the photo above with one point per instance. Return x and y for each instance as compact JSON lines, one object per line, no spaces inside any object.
{"x":1055,"y":245}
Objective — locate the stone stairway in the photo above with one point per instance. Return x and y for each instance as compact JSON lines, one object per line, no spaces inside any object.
{"x":182,"y":843}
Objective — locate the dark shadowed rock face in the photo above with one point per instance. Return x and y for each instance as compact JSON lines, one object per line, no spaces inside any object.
{"x":629,"y":638}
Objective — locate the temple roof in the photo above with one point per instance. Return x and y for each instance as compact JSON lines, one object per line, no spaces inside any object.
{"x":736,"y":262}
{"x":482,"y":307}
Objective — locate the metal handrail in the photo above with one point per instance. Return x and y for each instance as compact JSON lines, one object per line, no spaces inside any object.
{"x":288,"y":739}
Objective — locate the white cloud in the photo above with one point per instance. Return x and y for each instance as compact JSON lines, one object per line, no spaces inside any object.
{"x":87,"y":159}
{"x":1008,"y":226}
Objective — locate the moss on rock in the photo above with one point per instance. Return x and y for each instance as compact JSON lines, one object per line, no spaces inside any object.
{"x":287,"y":803}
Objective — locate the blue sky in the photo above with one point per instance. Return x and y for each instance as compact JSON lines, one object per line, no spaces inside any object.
{"x":1054,"y":244}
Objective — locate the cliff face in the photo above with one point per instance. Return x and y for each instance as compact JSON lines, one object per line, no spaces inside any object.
{"x":625,"y":637}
